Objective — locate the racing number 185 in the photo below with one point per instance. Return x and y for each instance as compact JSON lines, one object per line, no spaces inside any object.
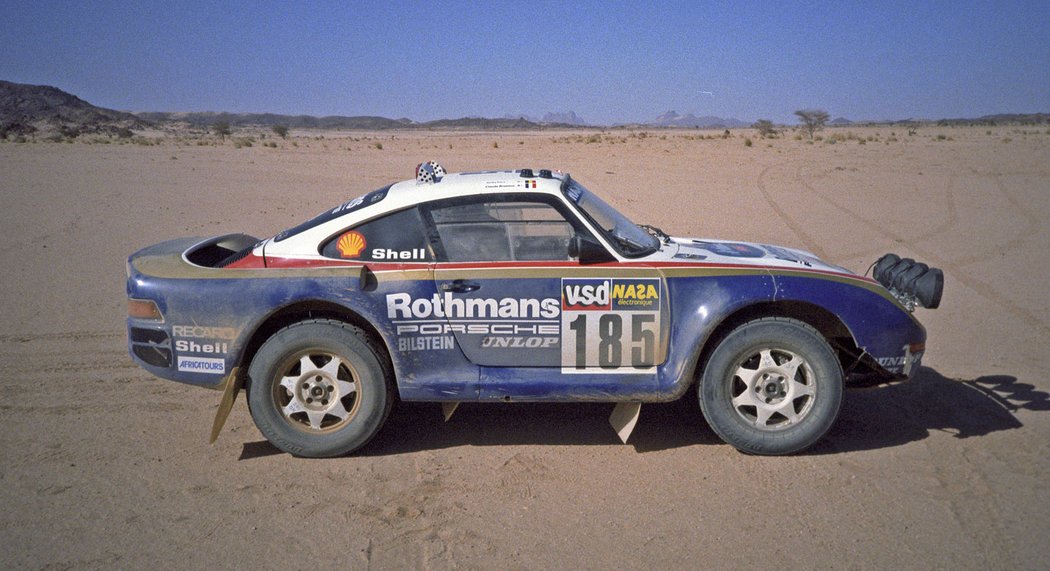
{"x":610,"y":340}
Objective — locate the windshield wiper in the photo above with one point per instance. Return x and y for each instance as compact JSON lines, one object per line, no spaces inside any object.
{"x":629,"y":243}
{"x":656,"y":232}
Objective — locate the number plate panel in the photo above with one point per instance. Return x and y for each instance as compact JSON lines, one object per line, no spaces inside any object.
{"x":610,"y":325}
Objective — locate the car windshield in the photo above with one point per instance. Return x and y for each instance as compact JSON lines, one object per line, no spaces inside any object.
{"x":626,"y":236}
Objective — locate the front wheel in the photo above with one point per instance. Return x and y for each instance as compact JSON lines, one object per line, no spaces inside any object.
{"x":319,"y":388}
{"x":773,"y":386}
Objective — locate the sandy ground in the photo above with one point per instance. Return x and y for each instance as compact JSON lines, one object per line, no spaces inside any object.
{"x":104,"y":466}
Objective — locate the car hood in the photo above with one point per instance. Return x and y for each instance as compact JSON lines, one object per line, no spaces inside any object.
{"x":693,"y":250}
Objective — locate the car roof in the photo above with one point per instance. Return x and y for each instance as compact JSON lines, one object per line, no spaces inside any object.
{"x":409,"y":193}
{"x":452,"y":185}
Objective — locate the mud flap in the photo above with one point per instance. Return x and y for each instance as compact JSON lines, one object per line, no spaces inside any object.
{"x":448,"y":408}
{"x":623,"y":419}
{"x":232,"y":386}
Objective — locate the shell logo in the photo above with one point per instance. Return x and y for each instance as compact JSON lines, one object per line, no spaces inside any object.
{"x":351,"y":244}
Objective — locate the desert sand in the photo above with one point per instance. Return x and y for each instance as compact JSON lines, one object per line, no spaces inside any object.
{"x":104,"y":466}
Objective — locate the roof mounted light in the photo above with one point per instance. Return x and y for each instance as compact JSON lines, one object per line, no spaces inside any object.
{"x":429,"y":172}
{"x":527,"y":173}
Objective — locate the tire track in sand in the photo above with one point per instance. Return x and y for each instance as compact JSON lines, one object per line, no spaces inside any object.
{"x":949,"y":266}
{"x":806,"y":238}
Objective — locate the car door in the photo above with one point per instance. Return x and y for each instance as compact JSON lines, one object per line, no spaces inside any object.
{"x":514,"y":298}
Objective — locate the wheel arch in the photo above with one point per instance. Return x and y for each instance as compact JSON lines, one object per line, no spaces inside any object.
{"x":304,"y":310}
{"x":833,"y":329}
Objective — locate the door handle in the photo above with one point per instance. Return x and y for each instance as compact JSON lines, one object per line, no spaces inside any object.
{"x":460,"y":286}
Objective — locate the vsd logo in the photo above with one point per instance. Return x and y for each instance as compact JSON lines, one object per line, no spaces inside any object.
{"x":585,"y":294}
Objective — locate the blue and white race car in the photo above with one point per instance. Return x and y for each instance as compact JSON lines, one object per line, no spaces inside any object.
{"x":516,"y":285}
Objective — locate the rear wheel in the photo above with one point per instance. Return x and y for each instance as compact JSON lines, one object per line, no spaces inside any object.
{"x":319,"y":388}
{"x":772,"y":386}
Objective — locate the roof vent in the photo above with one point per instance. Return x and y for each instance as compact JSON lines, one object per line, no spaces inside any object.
{"x":429,"y":172}
{"x":527,"y":173}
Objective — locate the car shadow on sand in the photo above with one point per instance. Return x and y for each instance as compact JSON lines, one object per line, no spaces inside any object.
{"x":871,"y":418}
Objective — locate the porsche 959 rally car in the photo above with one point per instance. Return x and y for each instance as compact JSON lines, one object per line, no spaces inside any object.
{"x":516,"y":285}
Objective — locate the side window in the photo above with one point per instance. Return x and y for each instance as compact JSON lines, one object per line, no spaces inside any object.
{"x":397,"y":237}
{"x":497,"y":231}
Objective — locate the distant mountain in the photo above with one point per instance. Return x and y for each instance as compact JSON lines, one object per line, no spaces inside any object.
{"x":367,"y":123}
{"x":528,"y":118}
{"x":674,"y":119}
{"x":567,"y":118}
{"x":1002,"y":119}
{"x":207,"y":118}
{"x":46,"y":110}
{"x":479,"y":123}
{"x":30,"y":108}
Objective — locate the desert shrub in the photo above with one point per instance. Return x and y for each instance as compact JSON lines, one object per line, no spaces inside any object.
{"x":124,"y":133}
{"x":281,"y":131}
{"x":221,"y":128}
{"x":495,"y":144}
{"x":594,"y":139}
{"x":941,"y":136}
{"x":242,"y":142}
{"x":765,"y":128}
{"x":747,"y":142}
{"x":862,"y":142}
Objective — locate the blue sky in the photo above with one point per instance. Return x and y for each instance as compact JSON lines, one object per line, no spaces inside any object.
{"x":607,"y":61}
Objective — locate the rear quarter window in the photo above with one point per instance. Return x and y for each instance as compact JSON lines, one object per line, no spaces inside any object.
{"x":397,"y":237}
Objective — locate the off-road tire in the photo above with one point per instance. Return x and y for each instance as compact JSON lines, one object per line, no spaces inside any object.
{"x":772,"y":386}
{"x":319,"y":388}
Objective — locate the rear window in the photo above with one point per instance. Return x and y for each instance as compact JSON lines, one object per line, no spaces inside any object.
{"x":328,"y":215}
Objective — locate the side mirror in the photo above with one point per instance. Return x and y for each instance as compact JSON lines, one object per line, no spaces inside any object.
{"x":588,"y":251}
